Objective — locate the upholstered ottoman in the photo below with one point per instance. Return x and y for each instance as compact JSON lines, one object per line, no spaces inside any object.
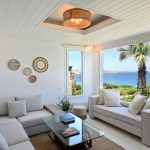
{"x":80,"y":111}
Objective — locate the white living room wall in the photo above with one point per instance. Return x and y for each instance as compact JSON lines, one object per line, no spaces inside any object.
{"x":51,"y":84}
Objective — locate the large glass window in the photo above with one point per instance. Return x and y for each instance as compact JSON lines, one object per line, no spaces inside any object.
{"x":74,"y":72}
{"x":122,"y":75}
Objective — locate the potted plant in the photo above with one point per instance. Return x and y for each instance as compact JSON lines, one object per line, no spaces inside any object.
{"x":64,"y":103}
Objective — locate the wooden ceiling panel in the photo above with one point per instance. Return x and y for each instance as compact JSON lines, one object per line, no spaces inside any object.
{"x":22,"y":19}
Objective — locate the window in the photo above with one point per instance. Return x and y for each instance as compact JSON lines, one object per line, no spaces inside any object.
{"x":74,"y":72}
{"x":123,"y":74}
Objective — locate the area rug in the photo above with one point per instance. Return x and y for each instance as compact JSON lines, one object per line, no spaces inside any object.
{"x":43,"y":142}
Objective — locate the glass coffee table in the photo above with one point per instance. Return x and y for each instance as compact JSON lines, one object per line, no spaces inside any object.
{"x":82,"y":140}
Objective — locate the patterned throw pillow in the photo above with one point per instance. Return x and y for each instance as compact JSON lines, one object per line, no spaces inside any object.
{"x":137,"y":104}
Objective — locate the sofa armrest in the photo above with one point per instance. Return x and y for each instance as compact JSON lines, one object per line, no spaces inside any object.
{"x":93,"y":100}
{"x":145,"y":126}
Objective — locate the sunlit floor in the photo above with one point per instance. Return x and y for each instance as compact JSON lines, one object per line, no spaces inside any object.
{"x":121,"y":137}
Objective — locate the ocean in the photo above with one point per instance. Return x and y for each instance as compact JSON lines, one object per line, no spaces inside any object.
{"x":119,"y":78}
{"x":124,"y":78}
{"x":78,"y":79}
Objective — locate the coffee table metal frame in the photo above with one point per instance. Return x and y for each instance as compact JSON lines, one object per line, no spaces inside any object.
{"x":83,"y":140}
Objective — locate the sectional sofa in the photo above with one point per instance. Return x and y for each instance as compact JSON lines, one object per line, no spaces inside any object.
{"x":138,"y":125}
{"x":16,"y":130}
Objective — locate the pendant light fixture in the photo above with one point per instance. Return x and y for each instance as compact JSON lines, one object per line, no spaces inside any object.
{"x":77,"y":18}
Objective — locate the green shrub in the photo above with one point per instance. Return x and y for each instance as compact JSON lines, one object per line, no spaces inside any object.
{"x":78,"y":92}
{"x":110,"y":86}
{"x":78,"y":87}
{"x":127,"y":92}
{"x":127,"y":98}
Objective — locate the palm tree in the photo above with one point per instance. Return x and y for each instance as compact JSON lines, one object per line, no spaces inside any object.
{"x":140,"y":52}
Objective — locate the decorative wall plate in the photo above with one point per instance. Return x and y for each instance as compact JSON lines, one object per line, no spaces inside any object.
{"x":27,"y":71}
{"x":32,"y":78}
{"x":40,"y":64}
{"x":13,"y":64}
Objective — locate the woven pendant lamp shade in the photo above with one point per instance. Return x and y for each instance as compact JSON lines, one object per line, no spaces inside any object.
{"x":77,"y":18}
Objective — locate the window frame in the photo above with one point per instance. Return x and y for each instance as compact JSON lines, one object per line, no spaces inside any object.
{"x":67,"y":72}
{"x":101,"y":68}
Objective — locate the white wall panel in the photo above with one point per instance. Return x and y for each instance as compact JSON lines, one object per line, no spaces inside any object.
{"x":51,"y":84}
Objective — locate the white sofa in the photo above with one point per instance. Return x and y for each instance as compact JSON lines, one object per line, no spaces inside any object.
{"x":120,"y":117}
{"x":14,"y":134}
{"x":33,"y":124}
{"x":16,"y":130}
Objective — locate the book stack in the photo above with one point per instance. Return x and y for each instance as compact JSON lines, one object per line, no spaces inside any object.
{"x":68,"y":132}
{"x":67,"y":118}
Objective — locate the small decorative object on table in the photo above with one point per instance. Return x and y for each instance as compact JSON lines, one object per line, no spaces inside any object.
{"x":67,"y":118}
{"x":68,"y":132}
{"x":64,"y":104}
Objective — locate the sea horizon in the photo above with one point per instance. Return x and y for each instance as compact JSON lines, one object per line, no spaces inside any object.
{"x":122,"y":71}
{"x":123,"y":78}
{"x":119,"y":78}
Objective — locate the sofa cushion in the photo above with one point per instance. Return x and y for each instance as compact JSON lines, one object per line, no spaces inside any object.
{"x":17,"y":109}
{"x":137,"y":104}
{"x":125,"y":103}
{"x":3,"y":143}
{"x":7,"y":120}
{"x":119,"y":113}
{"x":147,"y":104}
{"x":101,"y":98}
{"x":22,"y":146}
{"x":33,"y":118}
{"x":4,"y":105}
{"x":111,"y":98}
{"x":101,"y":95}
{"x":13,"y":133}
{"x":33,"y":102}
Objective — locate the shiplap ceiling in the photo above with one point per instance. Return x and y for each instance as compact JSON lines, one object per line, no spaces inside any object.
{"x":22,"y":19}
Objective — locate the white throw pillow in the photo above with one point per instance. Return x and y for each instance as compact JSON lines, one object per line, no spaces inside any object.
{"x":147,"y":104}
{"x":3,"y":143}
{"x":17,"y":109}
{"x":111,"y":98}
{"x":125,"y":103}
{"x":137,"y":104}
{"x":101,"y":98}
{"x":101,"y":95}
{"x":33,"y":103}
{"x":4,"y":105}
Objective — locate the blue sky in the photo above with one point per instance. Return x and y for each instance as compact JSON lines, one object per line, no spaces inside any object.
{"x":112,"y":62}
{"x":75,"y":59}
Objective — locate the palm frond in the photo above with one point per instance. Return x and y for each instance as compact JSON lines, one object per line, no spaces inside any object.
{"x":146,"y":48}
{"x":131,"y":50}
{"x":123,"y":55}
{"x":141,"y":59}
